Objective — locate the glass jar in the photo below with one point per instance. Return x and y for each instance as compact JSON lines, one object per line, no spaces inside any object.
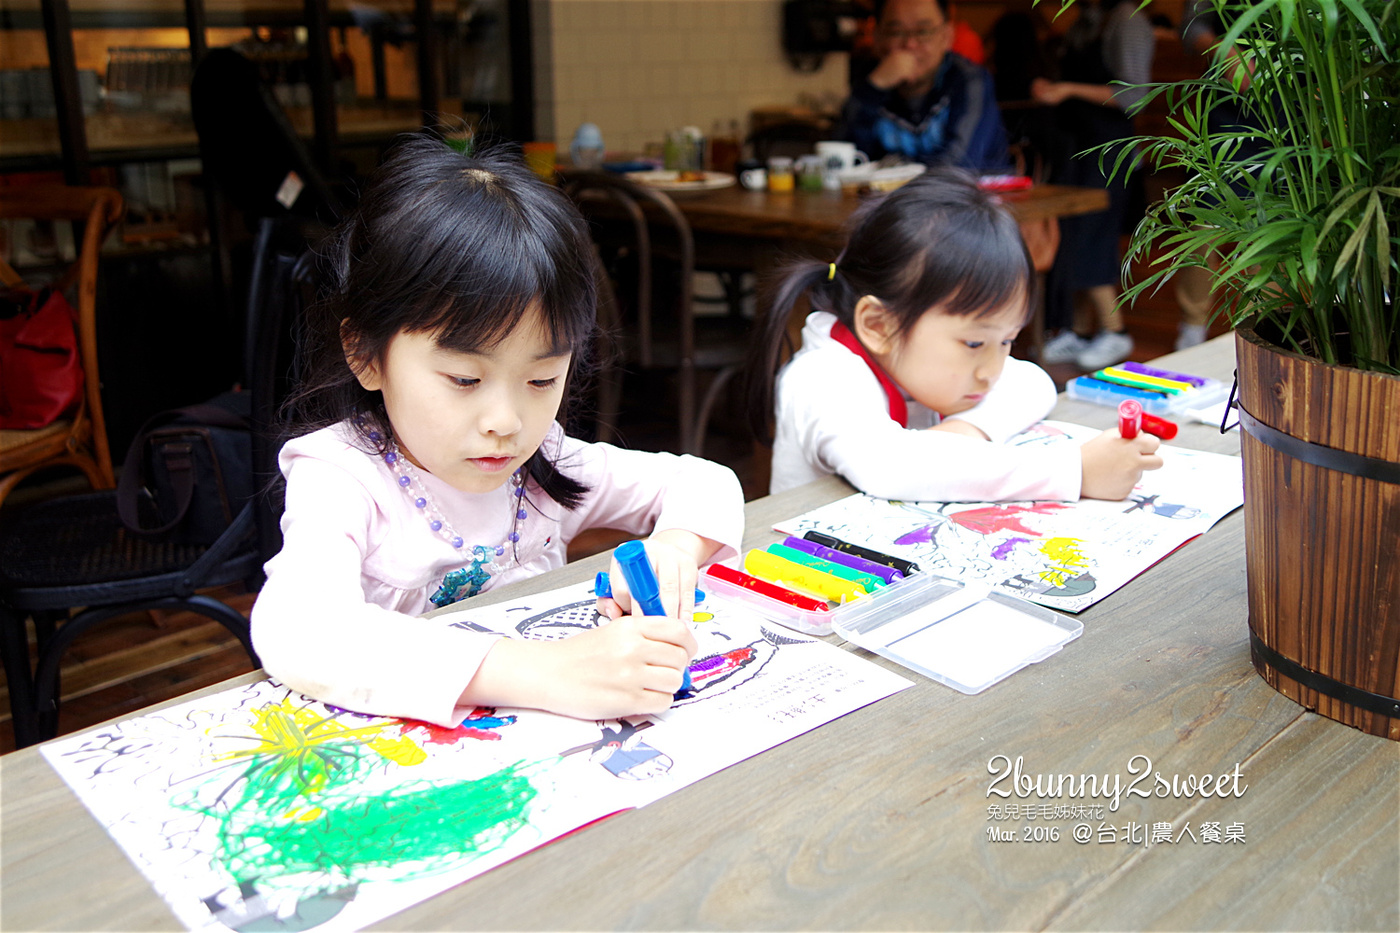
{"x":780,"y":176}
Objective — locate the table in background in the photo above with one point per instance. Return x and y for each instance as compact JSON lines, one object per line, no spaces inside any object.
{"x":816,"y":219}
{"x":735,"y":228}
{"x":879,"y":820}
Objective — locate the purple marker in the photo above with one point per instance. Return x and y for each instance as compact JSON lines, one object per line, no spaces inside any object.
{"x":888,"y":574}
{"x":1131,"y":367}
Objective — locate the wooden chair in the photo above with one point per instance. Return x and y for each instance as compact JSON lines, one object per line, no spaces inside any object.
{"x":69,"y":564}
{"x":647,"y":251}
{"x":79,"y":439}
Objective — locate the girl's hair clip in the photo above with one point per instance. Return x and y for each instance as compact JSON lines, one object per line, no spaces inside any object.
{"x":831,"y":272}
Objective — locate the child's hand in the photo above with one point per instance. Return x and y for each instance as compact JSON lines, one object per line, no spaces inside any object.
{"x":623,"y":668}
{"x":1113,"y":464}
{"x":675,"y":556}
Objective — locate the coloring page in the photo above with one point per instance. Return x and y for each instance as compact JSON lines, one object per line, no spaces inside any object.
{"x":261,"y":809}
{"x":1065,"y":555}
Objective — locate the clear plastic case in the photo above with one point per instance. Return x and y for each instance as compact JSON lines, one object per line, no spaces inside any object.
{"x":965,"y":637}
{"x":1090,"y":390}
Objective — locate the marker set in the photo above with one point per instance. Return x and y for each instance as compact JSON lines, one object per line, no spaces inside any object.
{"x":965,"y":637}
{"x":1158,"y":391}
{"x":805,"y":583}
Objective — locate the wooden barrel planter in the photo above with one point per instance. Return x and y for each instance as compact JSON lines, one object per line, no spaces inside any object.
{"x":1321,"y":448}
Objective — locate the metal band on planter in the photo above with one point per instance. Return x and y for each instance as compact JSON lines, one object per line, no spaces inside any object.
{"x":1329,"y":458}
{"x":1363,"y":699}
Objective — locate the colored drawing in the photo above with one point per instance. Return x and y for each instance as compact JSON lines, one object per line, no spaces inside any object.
{"x":1004,"y":549}
{"x":258,"y":809}
{"x":994,"y":518}
{"x":1066,"y":559}
{"x":482,"y":724}
{"x":622,"y":753}
{"x":727,"y":669}
{"x":1154,"y":505}
{"x":1066,"y":555}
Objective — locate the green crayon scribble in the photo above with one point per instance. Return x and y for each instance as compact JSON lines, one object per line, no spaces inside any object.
{"x":299,"y":804}
{"x":350,"y":833}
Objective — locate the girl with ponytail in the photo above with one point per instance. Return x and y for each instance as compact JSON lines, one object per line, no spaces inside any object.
{"x":904,"y":384}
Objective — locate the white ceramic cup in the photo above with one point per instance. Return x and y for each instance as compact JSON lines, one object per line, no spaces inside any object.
{"x":849,"y":155}
{"x":754,"y":179}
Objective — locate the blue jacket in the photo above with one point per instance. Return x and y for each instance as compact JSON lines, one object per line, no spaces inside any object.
{"x":956,"y":123}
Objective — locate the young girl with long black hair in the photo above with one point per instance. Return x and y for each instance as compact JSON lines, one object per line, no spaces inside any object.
{"x":430,"y":465}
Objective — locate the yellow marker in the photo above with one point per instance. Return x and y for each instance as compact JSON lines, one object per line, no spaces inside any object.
{"x":775,"y":569}
{"x":1149,"y":380}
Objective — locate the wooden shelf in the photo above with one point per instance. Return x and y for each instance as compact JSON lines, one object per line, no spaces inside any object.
{"x":151,"y":136}
{"x":154,"y":14}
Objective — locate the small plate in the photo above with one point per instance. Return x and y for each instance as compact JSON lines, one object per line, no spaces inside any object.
{"x":670,"y":181}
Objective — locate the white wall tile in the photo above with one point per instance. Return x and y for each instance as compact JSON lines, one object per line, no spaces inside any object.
{"x":638,"y":67}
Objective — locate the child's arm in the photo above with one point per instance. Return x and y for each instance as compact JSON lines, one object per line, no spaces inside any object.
{"x":832,"y":410}
{"x":627,"y":667}
{"x":322,"y":628}
{"x":1023,"y":395}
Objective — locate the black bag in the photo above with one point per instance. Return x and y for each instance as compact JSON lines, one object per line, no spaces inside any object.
{"x":189,"y":471}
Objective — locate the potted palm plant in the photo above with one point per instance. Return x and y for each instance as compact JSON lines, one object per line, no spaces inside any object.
{"x":1292,"y":206}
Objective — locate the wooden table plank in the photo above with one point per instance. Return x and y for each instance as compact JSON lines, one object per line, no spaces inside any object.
{"x":1329,"y":800}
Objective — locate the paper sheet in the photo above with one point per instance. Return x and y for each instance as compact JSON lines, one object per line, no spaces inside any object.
{"x":1065,"y":555}
{"x":259,"y":808}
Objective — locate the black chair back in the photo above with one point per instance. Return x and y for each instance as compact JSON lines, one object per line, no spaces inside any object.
{"x":647,"y":251}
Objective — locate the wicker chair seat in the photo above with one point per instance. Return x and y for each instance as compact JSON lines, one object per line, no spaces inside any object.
{"x":79,"y":542}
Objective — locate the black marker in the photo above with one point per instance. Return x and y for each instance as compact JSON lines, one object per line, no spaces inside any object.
{"x":905,"y":567}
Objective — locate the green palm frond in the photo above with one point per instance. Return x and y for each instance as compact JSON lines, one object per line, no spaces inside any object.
{"x":1297,"y":206}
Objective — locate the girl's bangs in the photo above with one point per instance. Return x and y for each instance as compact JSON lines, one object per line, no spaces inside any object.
{"x":490,"y":299}
{"x":985,"y":272}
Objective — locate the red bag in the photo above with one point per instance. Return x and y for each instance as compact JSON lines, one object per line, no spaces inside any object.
{"x":41,"y":374}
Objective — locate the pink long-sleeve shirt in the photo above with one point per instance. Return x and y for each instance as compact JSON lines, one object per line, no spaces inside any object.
{"x":339,"y":616}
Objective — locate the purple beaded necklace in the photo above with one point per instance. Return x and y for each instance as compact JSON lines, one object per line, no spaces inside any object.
{"x":486,"y":561}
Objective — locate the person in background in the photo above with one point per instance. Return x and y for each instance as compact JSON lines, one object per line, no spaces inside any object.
{"x":921,"y":101}
{"x":1018,"y":54}
{"x":966,"y":41}
{"x":1112,"y":41}
{"x":1201,"y":29}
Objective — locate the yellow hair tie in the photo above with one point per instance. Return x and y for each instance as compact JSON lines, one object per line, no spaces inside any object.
{"x":831,"y":272}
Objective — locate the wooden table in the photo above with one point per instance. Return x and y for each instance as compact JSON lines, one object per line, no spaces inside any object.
{"x":880,"y":820}
{"x":816,"y":219}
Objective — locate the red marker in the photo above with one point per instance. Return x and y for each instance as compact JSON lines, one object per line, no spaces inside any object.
{"x":1160,"y":427}
{"x":1129,"y":418}
{"x":771,"y":590}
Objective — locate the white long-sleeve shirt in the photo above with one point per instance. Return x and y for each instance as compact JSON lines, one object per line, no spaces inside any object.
{"x":833,"y":417}
{"x":338,"y":618}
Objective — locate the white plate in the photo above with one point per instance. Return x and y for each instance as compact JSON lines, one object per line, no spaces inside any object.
{"x":881,"y":179}
{"x":669,"y":181}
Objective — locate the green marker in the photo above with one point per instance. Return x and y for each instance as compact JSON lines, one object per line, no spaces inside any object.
{"x":868,"y":580}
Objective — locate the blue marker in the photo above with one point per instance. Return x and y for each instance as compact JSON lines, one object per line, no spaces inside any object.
{"x":632,"y":558}
{"x":602,"y":586}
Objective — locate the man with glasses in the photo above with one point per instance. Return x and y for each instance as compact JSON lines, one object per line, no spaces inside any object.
{"x":922,"y":101}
